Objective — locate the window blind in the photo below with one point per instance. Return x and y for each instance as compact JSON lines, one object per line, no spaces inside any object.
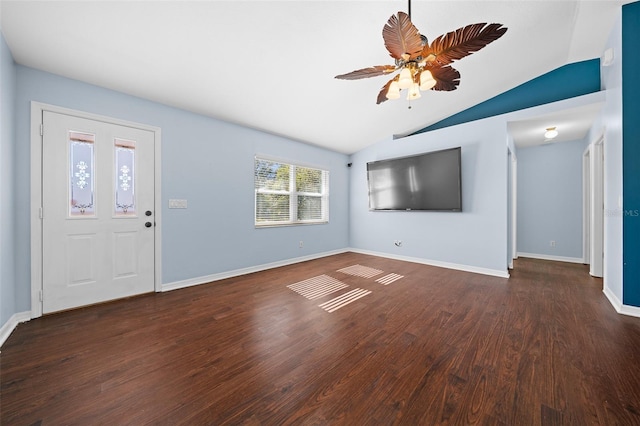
{"x":289,"y":194}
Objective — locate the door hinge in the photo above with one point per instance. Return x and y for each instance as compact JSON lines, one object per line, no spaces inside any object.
{"x":41,"y":129}
{"x":40,"y":295}
{"x":40,"y":213}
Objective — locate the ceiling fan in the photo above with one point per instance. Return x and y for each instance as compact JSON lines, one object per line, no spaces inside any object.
{"x":423,"y":65}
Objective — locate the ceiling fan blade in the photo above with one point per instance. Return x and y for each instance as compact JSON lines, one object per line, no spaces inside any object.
{"x":462,"y":42}
{"x":447,"y":78}
{"x":382,"y":96}
{"x":401,"y":37}
{"x":367,"y":72}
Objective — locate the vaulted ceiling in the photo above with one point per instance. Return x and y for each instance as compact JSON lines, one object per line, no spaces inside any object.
{"x":270,"y":65}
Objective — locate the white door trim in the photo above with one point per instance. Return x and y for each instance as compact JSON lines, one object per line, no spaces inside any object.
{"x":596,"y":231}
{"x":514,"y":207}
{"x":586,"y":206}
{"x":37,"y":110}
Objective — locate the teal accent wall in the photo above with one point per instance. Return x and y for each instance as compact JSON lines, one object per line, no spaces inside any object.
{"x":579,"y":78}
{"x":631,"y":154}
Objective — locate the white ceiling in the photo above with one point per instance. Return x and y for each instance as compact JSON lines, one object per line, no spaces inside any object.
{"x":269,"y":65}
{"x":572,"y":124}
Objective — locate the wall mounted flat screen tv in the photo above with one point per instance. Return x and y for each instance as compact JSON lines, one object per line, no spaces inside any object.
{"x":429,"y":181}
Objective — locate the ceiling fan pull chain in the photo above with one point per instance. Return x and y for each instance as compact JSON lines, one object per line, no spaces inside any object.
{"x":409,"y":9}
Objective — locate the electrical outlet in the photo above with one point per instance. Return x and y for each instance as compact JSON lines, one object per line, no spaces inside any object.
{"x":552,"y":243}
{"x":301,"y":244}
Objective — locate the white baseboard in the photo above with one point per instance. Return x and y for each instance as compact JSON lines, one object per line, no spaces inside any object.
{"x":613,"y":299}
{"x":632,"y":311}
{"x":237,"y":272}
{"x":456,"y":266}
{"x":551,"y":257}
{"x":11,"y":324}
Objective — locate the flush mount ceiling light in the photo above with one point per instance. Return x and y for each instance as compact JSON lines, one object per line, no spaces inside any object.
{"x":550,"y":133}
{"x":423,"y":66}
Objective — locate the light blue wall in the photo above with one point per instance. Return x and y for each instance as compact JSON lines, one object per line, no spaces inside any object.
{"x":7,"y":172}
{"x":609,"y":124}
{"x":622,"y":288}
{"x":475,"y":237}
{"x":207,"y":239}
{"x":550,"y":199}
{"x":206,"y":161}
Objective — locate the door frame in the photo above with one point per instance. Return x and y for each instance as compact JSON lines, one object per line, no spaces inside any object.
{"x":37,"y":111}
{"x":586,"y":206}
{"x":593,"y":206}
{"x":513,"y":210}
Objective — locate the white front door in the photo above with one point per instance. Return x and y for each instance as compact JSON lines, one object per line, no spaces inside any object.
{"x":98,"y":218}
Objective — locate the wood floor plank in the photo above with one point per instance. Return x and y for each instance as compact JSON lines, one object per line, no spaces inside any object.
{"x":437,"y":347}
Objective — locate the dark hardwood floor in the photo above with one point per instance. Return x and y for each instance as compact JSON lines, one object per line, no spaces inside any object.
{"x":438,"y":346}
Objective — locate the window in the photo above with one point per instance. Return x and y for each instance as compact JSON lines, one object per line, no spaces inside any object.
{"x":287,"y":194}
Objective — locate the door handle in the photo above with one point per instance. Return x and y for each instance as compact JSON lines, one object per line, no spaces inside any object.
{"x":148,"y":224}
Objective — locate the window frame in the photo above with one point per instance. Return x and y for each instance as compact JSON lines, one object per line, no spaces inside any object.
{"x":293,"y":194}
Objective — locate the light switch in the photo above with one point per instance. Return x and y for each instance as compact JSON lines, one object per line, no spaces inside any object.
{"x":177,"y":204}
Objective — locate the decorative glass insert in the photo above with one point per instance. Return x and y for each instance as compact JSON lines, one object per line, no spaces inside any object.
{"x":125,"y":177}
{"x":81,"y":174}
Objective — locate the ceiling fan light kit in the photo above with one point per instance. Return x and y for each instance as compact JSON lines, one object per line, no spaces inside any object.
{"x":427,"y":82}
{"x":394,"y":90}
{"x":406,"y":79}
{"x":422,"y":65}
{"x":414,"y":92}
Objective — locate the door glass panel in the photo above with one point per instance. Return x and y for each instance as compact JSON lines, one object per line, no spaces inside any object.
{"x":125,"y":177}
{"x":81,"y":174}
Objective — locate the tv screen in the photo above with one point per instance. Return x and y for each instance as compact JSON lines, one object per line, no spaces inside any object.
{"x":429,"y":181}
